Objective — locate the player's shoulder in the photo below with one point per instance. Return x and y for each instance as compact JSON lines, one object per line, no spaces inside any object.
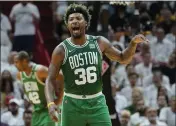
{"x":100,"y":38}
{"x":59,"y":49}
{"x":62,"y":44}
{"x":92,"y":36}
{"x":41,"y":68}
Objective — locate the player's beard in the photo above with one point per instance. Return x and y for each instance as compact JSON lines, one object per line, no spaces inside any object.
{"x":76,"y":35}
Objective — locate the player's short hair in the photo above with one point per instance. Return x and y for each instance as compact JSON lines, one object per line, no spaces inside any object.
{"x":22,"y":55}
{"x":78,"y":8}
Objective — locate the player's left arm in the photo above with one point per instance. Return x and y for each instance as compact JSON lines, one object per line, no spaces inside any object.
{"x":123,"y":57}
{"x":42,"y":73}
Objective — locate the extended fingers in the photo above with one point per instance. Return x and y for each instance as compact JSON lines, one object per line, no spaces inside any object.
{"x":142,"y":37}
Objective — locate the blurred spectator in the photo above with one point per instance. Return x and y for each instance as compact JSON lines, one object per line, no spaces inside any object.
{"x":148,"y":80}
{"x":118,"y":19}
{"x":6,"y":33}
{"x":140,"y":115}
{"x":125,"y":118}
{"x":149,"y":30}
{"x":152,"y":118}
{"x":155,"y":8}
{"x":59,"y":9}
{"x":173,"y":89}
{"x":118,"y":38}
{"x":137,"y":95}
{"x":121,"y":74}
{"x":151,"y":92}
{"x":6,"y":25}
{"x":170,"y":68}
{"x":168,"y":114}
{"x":139,"y":57}
{"x":94,"y":10}
{"x":171,"y":36}
{"x":9,"y":88}
{"x":103,"y":19}
{"x":6,"y":47}
{"x":25,"y":16}
{"x":121,"y":102}
{"x":163,"y":92}
{"x":144,"y":68}
{"x":127,"y":91}
{"x":27,"y":117}
{"x":166,"y":20}
{"x":10,"y":65}
{"x":161,"y":48}
{"x":162,"y":101}
{"x":14,"y":117}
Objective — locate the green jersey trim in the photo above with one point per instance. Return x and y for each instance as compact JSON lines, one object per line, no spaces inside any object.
{"x":40,"y":82}
{"x":27,"y":75}
{"x":66,"y":53}
{"x":78,"y":46}
{"x":33,"y":70}
{"x":99,"y":50}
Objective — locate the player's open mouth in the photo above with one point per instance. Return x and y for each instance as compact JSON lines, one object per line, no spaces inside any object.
{"x":76,"y":29}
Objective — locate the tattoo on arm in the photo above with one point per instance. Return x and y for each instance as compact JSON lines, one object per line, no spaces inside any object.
{"x":114,"y":54}
{"x":128,"y":53}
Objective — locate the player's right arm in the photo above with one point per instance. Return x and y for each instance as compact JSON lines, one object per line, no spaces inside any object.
{"x":53,"y":71}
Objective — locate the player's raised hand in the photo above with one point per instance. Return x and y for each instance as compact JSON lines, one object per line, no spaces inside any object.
{"x":139,"y":39}
{"x":53,"y":112}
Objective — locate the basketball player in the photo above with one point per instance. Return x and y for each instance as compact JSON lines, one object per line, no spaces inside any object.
{"x":80,"y":59}
{"x":33,"y":78}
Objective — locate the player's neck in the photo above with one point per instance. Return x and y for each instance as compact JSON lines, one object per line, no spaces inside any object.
{"x":28,"y":70}
{"x":79,"y":41}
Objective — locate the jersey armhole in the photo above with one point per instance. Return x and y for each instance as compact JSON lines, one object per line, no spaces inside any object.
{"x":66,"y":53}
{"x":35,"y":73}
{"x":99,"y":50}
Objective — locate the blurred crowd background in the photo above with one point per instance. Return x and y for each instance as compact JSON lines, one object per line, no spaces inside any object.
{"x":144,"y":90}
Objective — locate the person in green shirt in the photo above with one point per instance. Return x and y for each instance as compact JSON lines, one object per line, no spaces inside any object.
{"x":80,"y":59}
{"x":32,"y":77}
